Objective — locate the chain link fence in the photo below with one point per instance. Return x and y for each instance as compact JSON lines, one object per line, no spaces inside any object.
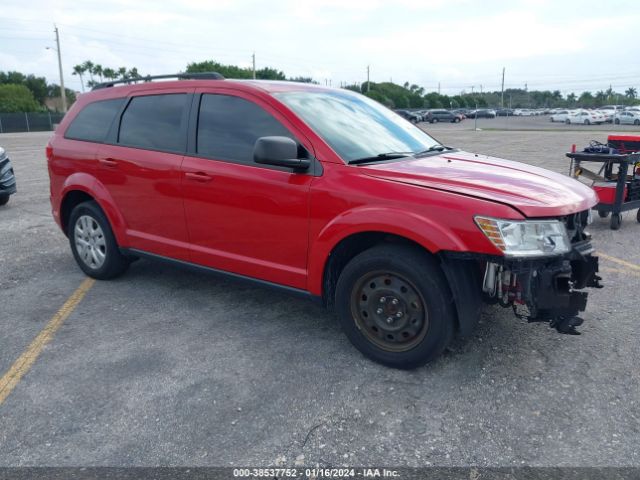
{"x":29,"y":122}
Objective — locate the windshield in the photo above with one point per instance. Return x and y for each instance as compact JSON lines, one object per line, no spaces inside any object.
{"x":355,"y":126}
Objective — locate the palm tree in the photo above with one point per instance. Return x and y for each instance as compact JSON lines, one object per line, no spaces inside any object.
{"x":133,"y":73}
{"x":571,"y":98}
{"x":97,"y":70}
{"x":79,"y":70}
{"x":109,"y":73}
{"x":88,"y":66}
{"x":631,"y":93}
{"x":122,"y":73}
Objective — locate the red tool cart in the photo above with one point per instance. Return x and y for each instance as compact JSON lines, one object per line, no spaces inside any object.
{"x":618,"y":188}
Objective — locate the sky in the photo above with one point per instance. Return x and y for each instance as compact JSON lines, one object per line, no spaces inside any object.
{"x":458,"y":45}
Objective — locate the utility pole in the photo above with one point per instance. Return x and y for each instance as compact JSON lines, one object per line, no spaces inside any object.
{"x":368,"y":83}
{"x":438,"y":88}
{"x":253,"y":61}
{"x":502,"y":92}
{"x":63,"y":92}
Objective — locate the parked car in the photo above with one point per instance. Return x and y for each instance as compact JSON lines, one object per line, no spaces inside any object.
{"x":323,"y":193}
{"x":586,"y":117}
{"x":435,"y":116}
{"x":504,"y":112}
{"x":523,"y":112}
{"x":411,"y":116}
{"x":560,"y":116}
{"x":628,"y":117}
{"x":461,"y":111}
{"x":482,"y":113}
{"x":7,"y":178}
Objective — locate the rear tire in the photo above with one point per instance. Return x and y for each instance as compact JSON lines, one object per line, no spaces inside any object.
{"x":587,"y":122}
{"x":93,"y":244}
{"x":394,"y":305}
{"x":4,"y":199}
{"x":435,"y":120}
{"x":567,"y":121}
{"x":617,"y":121}
{"x":636,"y":122}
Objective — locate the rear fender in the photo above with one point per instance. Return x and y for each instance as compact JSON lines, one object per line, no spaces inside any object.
{"x":91,"y":186}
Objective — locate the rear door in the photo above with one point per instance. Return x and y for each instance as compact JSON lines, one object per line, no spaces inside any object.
{"x":243,"y":217}
{"x":140,"y":167}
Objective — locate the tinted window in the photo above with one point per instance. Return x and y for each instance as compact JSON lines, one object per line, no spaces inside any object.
{"x":93,"y":122}
{"x":154,"y":122}
{"x":228,"y":127}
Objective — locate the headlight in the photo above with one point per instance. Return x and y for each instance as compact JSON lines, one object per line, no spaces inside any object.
{"x":526,"y":238}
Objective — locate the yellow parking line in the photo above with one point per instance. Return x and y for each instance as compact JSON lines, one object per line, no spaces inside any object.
{"x":22,"y":365}
{"x":619,"y":261}
{"x":623,"y":271}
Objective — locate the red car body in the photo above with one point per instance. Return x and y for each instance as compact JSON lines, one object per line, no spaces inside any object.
{"x":281,"y":227}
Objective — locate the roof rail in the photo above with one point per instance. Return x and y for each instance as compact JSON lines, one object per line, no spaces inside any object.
{"x":148,"y":78}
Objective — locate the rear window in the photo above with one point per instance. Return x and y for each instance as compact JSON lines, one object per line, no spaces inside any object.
{"x":93,"y":122}
{"x":155,"y":122}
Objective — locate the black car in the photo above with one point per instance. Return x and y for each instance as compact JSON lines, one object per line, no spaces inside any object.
{"x":411,"y":116}
{"x":443,"y":116}
{"x":504,"y":112}
{"x":7,"y":178}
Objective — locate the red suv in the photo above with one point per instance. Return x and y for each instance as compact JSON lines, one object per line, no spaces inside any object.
{"x":324,"y":193}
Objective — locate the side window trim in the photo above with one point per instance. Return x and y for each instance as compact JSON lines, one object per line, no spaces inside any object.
{"x":114,"y":132}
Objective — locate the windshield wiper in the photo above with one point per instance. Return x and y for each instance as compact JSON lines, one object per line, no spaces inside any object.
{"x":434,"y":148}
{"x":381,"y":157}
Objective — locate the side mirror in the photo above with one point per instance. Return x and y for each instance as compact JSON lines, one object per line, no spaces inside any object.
{"x":279,"y":151}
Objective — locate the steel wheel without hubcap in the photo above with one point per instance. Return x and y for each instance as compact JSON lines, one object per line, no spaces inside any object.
{"x":90,"y":242}
{"x":389,"y":311}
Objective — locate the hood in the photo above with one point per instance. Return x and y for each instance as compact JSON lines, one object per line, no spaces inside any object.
{"x":533,"y":191}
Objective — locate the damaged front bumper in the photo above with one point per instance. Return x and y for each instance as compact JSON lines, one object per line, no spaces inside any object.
{"x":544,"y":289}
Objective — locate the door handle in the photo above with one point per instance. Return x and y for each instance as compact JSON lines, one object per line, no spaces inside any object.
{"x":198,"y":176}
{"x":108,"y":162}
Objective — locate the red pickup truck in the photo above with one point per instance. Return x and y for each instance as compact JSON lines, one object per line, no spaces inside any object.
{"x":323,"y":193}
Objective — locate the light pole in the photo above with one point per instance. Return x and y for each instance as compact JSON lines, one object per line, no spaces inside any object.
{"x":63,"y":92}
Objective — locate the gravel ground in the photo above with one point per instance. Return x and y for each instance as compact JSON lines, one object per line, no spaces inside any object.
{"x":167,"y":367}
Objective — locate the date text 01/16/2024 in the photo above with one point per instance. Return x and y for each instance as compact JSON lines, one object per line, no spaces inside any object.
{"x":314,"y":473}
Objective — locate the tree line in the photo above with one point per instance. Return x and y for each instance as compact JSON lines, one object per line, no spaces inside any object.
{"x":22,"y":93}
{"x":28,"y":93}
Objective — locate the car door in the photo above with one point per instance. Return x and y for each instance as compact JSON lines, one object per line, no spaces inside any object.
{"x":243,"y":217}
{"x":140,"y":168}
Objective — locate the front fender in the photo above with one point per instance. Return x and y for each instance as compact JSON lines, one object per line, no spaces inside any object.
{"x":411,"y":225}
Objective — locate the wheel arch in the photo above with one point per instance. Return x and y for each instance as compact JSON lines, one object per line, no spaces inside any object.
{"x":79,"y":191}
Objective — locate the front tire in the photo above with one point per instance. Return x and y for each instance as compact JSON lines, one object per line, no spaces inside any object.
{"x":93,"y":244}
{"x":394,"y":305}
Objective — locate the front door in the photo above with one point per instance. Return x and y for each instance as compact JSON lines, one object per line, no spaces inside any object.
{"x":243,"y":217}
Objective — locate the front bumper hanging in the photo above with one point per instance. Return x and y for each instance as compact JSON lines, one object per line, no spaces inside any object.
{"x":546,"y":289}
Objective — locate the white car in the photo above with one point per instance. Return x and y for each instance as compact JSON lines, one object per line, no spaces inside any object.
{"x":585,"y":117}
{"x":628,"y":117}
{"x":560,"y":116}
{"x":523,"y":112}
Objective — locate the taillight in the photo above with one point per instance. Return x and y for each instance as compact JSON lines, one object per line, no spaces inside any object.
{"x":49,"y":152}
